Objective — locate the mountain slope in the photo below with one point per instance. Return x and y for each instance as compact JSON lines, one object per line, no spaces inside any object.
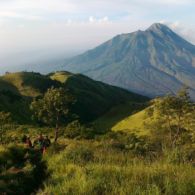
{"x":93,"y":98}
{"x":29,"y":84}
{"x":17,"y":91}
{"x":151,"y":62}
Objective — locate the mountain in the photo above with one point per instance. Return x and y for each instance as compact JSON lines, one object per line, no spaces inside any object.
{"x":153,"y":62}
{"x":93,"y":98}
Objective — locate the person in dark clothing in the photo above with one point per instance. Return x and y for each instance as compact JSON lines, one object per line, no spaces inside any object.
{"x":47,"y":141}
{"x":28,"y":142}
{"x":24,"y":138}
{"x":40,"y":139}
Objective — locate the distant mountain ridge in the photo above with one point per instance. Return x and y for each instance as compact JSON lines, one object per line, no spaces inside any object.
{"x":153,"y":62}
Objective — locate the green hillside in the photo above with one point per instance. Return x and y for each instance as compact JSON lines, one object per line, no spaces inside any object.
{"x":17,"y":91}
{"x":29,"y":83}
{"x":135,"y":123}
{"x":117,"y":114}
{"x":136,"y":156}
{"x":12,"y":101}
{"x":93,"y":98}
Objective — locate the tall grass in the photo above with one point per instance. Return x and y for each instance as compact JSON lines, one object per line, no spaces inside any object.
{"x":93,"y":168}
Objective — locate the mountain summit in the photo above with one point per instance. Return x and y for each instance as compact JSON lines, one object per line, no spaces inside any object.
{"x":153,"y":62}
{"x":158,"y":27}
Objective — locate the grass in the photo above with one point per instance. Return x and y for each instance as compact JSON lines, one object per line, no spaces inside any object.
{"x":97,"y":166}
{"x":134,"y":124}
{"x":29,"y":84}
{"x":109,"y":171}
{"x":60,"y":76}
{"x":15,"y":133}
{"x":129,"y":117}
{"x":123,"y":161}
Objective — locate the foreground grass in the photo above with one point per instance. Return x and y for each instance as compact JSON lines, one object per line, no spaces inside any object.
{"x":93,"y":168}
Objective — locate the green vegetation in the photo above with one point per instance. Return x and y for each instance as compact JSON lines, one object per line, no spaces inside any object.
{"x":94,"y":98}
{"x":124,"y":144}
{"x":21,"y":170}
{"x":4,"y":119}
{"x":100,"y":168}
{"x":53,"y":108}
{"x":17,"y":91}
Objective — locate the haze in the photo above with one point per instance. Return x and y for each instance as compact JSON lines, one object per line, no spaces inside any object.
{"x":45,"y":31}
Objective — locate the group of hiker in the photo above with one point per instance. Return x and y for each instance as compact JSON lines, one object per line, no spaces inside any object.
{"x":41,"y":143}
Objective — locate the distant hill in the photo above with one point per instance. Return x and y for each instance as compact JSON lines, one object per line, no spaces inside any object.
{"x":17,"y":91}
{"x":153,"y":62}
{"x":124,"y":120}
{"x":93,"y":98}
{"x":29,"y":84}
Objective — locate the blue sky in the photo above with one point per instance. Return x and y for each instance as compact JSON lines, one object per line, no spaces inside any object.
{"x":33,"y":29}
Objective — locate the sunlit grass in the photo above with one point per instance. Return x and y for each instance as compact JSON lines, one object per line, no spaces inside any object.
{"x":111,"y":171}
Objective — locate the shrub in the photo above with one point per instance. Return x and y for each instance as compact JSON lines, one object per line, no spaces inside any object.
{"x":76,"y":130}
{"x":79,"y":155}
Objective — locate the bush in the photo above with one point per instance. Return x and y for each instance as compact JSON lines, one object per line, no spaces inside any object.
{"x":54,"y":149}
{"x":129,"y":141}
{"x":76,"y":130}
{"x":79,"y":155}
{"x":21,"y":170}
{"x":180,"y":155}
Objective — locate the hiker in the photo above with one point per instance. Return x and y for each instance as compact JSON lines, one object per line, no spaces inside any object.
{"x":47,"y":142}
{"x":28,"y":142}
{"x":38,"y":143}
{"x":42,"y":143}
{"x":24,"y":138}
{"x":40,"y":139}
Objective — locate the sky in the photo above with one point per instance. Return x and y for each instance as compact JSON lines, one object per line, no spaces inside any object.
{"x":32,"y":31}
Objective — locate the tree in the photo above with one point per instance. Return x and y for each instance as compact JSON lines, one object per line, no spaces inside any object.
{"x":176,"y":113}
{"x":53,"y":108}
{"x":5,"y":118}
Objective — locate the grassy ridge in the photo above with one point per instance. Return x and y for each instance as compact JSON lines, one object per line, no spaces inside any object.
{"x":17,"y":91}
{"x":118,"y":114}
{"x":134,"y":124}
{"x":93,"y":98}
{"x":29,"y":84}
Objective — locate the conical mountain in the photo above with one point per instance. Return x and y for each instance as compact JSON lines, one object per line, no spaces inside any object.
{"x":153,"y":62}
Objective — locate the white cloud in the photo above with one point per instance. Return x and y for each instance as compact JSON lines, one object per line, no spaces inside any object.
{"x":185,"y":31}
{"x":91,"y":19}
{"x":104,"y":20}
